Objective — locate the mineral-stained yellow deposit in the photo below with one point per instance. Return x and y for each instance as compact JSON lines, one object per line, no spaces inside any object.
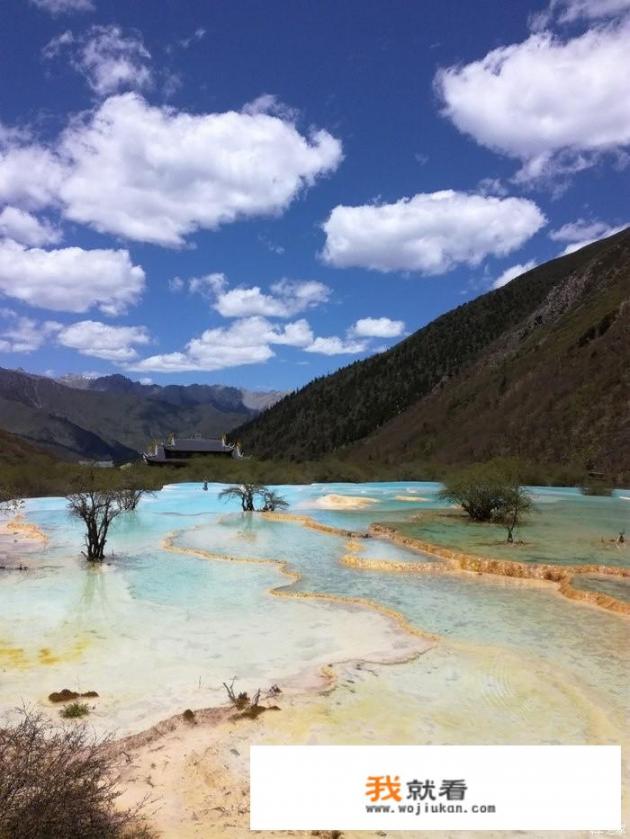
{"x":12,"y":656}
{"x":25,"y":529}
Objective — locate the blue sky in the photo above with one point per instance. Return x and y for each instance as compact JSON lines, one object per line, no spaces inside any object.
{"x":259,"y":193}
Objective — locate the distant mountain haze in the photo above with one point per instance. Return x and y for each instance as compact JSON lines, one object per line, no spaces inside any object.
{"x":539,"y":368}
{"x":177,"y":394}
{"x":113,"y":417}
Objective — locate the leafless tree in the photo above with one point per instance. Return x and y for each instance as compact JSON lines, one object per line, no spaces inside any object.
{"x":515,"y":505}
{"x":97,"y":508}
{"x":128,"y":498}
{"x":272,"y":500}
{"x":97,"y":500}
{"x":246,"y":493}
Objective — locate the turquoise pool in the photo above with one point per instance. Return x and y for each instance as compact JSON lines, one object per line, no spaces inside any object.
{"x":155,"y":631}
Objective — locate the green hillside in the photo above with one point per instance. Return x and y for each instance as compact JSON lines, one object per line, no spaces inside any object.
{"x":538,"y":369}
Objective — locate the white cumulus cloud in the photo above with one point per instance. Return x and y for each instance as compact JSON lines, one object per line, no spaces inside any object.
{"x":23,"y":334}
{"x":569,"y":11}
{"x":242,"y":302}
{"x":109,"y":59}
{"x":207,"y":285}
{"x":102,"y":340}
{"x":251,"y":340}
{"x":429,"y":233}
{"x":70,"y":279}
{"x":556,"y":105}
{"x":155,"y":174}
{"x":295,"y":334}
{"x":582,"y":229}
{"x":377,"y":328}
{"x":583,"y":232}
{"x":334,"y":345}
{"x":30,"y":174}
{"x":58,"y":7}
{"x":246,"y":341}
{"x":511,"y":273}
{"x":287,"y":299}
{"x":577,"y":244}
{"x":26,"y":228}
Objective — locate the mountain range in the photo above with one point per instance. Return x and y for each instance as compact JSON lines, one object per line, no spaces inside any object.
{"x":113,"y":417}
{"x":538,"y":369}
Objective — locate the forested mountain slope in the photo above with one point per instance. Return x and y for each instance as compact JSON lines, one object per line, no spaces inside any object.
{"x":538,"y":368}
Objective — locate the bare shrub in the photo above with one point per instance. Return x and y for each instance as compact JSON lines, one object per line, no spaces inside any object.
{"x":251,"y":707}
{"x":239,"y":700}
{"x":129,"y":497}
{"x":60,"y":782}
{"x":247,"y":494}
{"x":272,"y":501}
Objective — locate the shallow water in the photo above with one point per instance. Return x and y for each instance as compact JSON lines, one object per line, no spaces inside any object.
{"x":520,"y":625}
{"x":617,"y":587}
{"x":565,"y":528}
{"x":155,"y":632}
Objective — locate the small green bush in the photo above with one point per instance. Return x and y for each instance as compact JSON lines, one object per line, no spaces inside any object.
{"x":75,"y":710}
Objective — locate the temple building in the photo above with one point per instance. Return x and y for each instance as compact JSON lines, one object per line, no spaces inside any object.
{"x":178,"y":451}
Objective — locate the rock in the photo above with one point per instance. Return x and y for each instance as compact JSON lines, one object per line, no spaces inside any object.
{"x":66,"y":695}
